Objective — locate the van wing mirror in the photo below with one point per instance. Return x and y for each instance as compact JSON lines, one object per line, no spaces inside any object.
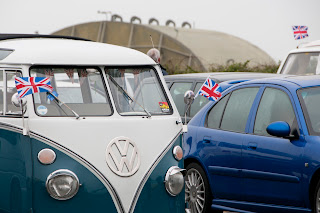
{"x":17,"y":101}
{"x":188,"y":97}
{"x":188,"y":100}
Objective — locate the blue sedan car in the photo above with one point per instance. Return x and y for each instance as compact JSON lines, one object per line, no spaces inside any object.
{"x":257,"y":149}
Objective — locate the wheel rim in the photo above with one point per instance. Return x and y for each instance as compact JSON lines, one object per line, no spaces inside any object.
{"x":195,"y":191}
{"x":318,"y":201}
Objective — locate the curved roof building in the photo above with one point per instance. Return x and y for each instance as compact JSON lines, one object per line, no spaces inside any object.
{"x":179,"y":47}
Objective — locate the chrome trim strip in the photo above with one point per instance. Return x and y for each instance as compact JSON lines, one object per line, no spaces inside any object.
{"x":76,"y":157}
{"x":147,"y":175}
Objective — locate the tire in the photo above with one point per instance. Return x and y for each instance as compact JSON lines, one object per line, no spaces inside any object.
{"x":316,"y":201}
{"x":197,"y":190}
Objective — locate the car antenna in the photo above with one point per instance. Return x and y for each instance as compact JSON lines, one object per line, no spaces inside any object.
{"x":151,"y":41}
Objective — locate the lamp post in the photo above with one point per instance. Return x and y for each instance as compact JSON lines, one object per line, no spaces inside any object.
{"x":105,"y":12}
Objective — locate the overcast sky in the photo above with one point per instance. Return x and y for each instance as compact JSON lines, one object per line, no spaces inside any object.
{"x":265,"y":23}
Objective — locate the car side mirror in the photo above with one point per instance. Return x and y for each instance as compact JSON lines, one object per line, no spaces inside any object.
{"x":279,"y":129}
{"x":188,"y":97}
{"x":188,"y":100}
{"x":17,"y":101}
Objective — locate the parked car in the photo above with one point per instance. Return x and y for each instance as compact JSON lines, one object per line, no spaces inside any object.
{"x":179,"y":84}
{"x":257,"y":148}
{"x":108,"y":140}
{"x":302,"y":61}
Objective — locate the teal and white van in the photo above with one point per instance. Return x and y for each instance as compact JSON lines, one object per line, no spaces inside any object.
{"x":110,"y":142}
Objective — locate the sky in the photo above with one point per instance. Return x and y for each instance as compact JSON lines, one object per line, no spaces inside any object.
{"x":264,"y":23}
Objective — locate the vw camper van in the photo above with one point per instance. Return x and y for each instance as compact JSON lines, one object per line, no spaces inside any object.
{"x":304,"y":60}
{"x":108,"y":140}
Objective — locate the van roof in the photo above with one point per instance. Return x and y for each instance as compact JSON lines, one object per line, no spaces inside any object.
{"x":64,"y":51}
{"x":313,"y":46}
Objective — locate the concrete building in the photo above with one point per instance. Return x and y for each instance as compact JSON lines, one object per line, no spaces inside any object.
{"x":179,"y":46}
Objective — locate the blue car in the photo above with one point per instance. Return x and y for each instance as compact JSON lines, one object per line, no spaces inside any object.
{"x":257,"y":149}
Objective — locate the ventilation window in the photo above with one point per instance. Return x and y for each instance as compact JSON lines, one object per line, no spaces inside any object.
{"x":4,"y":53}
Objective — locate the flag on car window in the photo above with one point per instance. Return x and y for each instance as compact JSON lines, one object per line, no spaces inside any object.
{"x":300,"y":32}
{"x":29,"y":85}
{"x":70,"y":73}
{"x":210,"y":90}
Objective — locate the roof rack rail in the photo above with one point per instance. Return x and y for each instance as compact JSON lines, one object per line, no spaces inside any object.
{"x":16,"y":36}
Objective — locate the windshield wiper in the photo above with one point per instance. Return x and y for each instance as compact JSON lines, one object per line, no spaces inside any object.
{"x":128,"y":96}
{"x":59,"y":103}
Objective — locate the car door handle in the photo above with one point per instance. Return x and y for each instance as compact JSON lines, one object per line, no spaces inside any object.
{"x":206,"y":139}
{"x":252,"y":146}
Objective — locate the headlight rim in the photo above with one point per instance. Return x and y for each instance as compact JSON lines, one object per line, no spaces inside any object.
{"x":61,"y":172}
{"x":171,"y":171}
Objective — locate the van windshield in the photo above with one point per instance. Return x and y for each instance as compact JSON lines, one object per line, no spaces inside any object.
{"x":137,"y":91}
{"x":82,"y":89}
{"x":306,"y":63}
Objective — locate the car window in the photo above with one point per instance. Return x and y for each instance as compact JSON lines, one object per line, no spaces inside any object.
{"x":6,"y":106}
{"x":310,"y":100}
{"x":137,"y":90}
{"x":81,"y":88}
{"x":199,"y":102}
{"x":275,"y":105}
{"x":238,"y":108}
{"x":302,"y":64}
{"x":215,"y":114}
{"x":177,"y":91}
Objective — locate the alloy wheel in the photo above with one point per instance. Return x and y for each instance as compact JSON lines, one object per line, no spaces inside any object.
{"x":195,"y":191}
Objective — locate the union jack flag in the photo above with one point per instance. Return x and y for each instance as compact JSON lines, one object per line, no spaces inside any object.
{"x":83,"y":75}
{"x":300,"y":32}
{"x":30,"y":85}
{"x":210,"y":90}
{"x":70,"y":74}
{"x":49,"y":73}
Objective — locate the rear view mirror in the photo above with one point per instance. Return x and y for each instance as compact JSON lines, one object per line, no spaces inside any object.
{"x":17,"y":101}
{"x":189,"y":97}
{"x":188,"y":100}
{"x":279,"y":129}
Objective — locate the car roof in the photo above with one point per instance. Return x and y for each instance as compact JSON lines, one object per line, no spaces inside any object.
{"x":61,"y":51}
{"x":293,"y":80}
{"x":313,"y":46}
{"x":220,"y":76}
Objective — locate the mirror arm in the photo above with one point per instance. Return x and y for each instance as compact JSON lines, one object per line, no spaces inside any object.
{"x":293,"y":136}
{"x":185,"y":114}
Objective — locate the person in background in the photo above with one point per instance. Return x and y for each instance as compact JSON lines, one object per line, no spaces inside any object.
{"x":155,"y":55}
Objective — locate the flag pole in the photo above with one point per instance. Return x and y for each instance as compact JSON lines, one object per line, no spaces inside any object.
{"x":24,"y":129}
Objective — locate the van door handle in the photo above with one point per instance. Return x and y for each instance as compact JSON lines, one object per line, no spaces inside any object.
{"x":206,"y":139}
{"x":252,"y":146}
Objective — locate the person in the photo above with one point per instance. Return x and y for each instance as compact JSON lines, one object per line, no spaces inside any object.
{"x":155,"y":55}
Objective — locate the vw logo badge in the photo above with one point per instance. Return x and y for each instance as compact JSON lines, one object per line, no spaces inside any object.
{"x":123,"y":157}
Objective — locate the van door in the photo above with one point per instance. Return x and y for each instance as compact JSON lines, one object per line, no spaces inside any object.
{"x":15,"y":151}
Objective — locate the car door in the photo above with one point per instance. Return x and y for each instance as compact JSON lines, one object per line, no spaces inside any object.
{"x":15,"y":151}
{"x":272,"y":166}
{"x":220,"y":142}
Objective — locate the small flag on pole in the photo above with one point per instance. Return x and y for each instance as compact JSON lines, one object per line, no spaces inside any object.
{"x":29,"y":85}
{"x":210,"y":90}
{"x":300,"y":32}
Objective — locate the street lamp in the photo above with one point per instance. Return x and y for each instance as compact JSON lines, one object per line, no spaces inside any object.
{"x":105,"y":12}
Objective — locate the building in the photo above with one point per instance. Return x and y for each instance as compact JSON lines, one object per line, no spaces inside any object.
{"x":180,"y":47}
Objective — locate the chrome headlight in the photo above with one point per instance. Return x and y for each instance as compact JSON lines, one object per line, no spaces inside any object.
{"x":62,"y":184}
{"x":174,"y":180}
